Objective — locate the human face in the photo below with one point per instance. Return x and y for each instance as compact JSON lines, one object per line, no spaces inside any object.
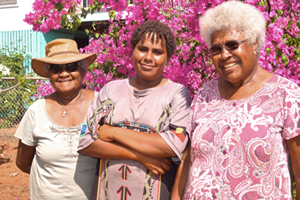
{"x":149,"y":60}
{"x":65,"y":82}
{"x":237,"y":66}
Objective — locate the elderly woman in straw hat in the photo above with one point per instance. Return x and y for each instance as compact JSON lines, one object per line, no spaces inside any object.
{"x":50,"y":129}
{"x":244,"y":124}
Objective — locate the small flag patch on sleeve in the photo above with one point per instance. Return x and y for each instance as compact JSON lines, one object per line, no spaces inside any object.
{"x":178,"y":131}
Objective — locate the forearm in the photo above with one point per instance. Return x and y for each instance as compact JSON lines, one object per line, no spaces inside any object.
{"x":109,"y":150}
{"x":298,"y":189}
{"x":145,"y":143}
{"x":24,"y":168}
{"x":294,"y":149}
{"x":25,"y":156}
{"x":181,"y":175}
{"x":113,"y":150}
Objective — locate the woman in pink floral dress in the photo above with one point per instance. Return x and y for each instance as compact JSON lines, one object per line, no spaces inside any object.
{"x":244,"y":124}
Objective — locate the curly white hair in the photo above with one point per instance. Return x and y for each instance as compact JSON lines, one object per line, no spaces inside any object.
{"x":234,"y":15}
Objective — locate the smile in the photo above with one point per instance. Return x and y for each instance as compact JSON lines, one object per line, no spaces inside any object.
{"x":230,"y":65}
{"x":147,"y":66}
{"x":64,"y":81}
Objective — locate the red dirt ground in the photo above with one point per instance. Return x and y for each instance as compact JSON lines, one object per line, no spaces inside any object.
{"x":14,"y":184}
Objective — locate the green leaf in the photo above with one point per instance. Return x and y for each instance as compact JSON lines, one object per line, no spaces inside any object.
{"x":87,"y":31}
{"x":134,"y":22}
{"x":284,"y":59}
{"x":279,"y":12}
{"x":84,"y":13}
{"x":144,"y":13}
{"x":273,"y":19}
{"x":297,"y":53}
{"x":59,"y":7}
{"x":262,"y":3}
{"x":64,"y":20}
{"x":284,"y":36}
{"x":291,"y":41}
{"x":279,"y":53}
{"x":179,"y":40}
{"x":76,"y":24}
{"x":297,"y":41}
{"x":112,"y":14}
{"x":290,"y":24}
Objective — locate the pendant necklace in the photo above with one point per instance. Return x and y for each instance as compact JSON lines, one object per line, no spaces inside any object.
{"x":80,"y":115}
{"x":69,"y":134}
{"x":65,"y":112}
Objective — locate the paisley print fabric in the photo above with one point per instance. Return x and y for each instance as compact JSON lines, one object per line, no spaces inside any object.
{"x":238,"y":146}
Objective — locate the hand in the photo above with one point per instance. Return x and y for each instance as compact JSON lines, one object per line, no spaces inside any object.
{"x":155,"y":165}
{"x":105,"y":133}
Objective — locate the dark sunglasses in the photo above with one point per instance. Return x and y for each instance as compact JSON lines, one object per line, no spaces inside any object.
{"x":229,"y":46}
{"x":57,"y":69}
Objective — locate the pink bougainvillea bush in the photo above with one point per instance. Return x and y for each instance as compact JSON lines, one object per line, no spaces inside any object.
{"x":191,"y":65}
{"x":44,"y":88}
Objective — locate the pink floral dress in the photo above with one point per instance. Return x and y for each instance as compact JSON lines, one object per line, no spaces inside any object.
{"x":238,"y":146}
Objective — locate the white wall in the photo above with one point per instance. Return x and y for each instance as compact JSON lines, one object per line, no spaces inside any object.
{"x":11,"y":18}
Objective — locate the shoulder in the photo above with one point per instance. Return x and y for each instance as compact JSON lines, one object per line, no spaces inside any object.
{"x":88,"y":92}
{"x":178,"y":87}
{"x":111,"y":90}
{"x":282,"y":89}
{"x":112,"y":86}
{"x":114,"y":83}
{"x":209,"y":88}
{"x":35,"y":108}
{"x":286,"y":81}
{"x":286,"y":85}
{"x":212,"y":85}
{"x":89,"y":96}
{"x":38,"y":104}
{"x":179,"y":91}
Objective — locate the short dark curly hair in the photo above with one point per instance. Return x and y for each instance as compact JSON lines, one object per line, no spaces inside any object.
{"x":160,"y":30}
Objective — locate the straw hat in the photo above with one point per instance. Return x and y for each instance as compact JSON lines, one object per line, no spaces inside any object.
{"x":60,"y":51}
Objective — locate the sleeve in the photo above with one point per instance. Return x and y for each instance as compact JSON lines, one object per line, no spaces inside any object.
{"x":191,"y":122}
{"x":25,"y":129}
{"x":175,"y":133}
{"x":99,"y":112}
{"x":291,"y":112}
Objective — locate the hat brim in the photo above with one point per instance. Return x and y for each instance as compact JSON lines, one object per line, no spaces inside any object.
{"x":40,"y":65}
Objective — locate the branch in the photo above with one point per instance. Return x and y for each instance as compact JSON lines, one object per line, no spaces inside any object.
{"x":10,"y":88}
{"x":269,"y":5}
{"x":289,"y":34}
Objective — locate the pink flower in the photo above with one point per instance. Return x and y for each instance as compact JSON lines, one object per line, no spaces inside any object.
{"x":191,"y":64}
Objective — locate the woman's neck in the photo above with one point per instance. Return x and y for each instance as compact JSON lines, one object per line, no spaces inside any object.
{"x":140,"y":84}
{"x":244,"y":89}
{"x":66,"y":99}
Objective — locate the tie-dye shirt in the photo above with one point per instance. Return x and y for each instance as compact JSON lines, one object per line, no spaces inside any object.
{"x":238,"y":148}
{"x":162,"y":110}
